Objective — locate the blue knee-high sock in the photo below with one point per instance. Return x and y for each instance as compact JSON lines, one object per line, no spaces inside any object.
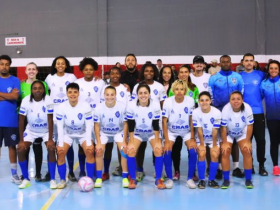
{"x":168,"y":164}
{"x":192,"y":163}
{"x":140,"y":169}
{"x":131,"y":164}
{"x":62,"y":171}
{"x":213,"y":170}
{"x":248,"y":174}
{"x":24,"y":169}
{"x":125,"y":175}
{"x":70,"y":159}
{"x":226,"y":175}
{"x":106,"y":165}
{"x":99,"y":174}
{"x":158,"y":166}
{"x":51,"y":166}
{"x":82,"y":161}
{"x":201,"y":169}
{"x":90,"y":169}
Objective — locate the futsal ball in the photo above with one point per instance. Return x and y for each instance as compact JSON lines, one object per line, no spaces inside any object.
{"x":85,"y":184}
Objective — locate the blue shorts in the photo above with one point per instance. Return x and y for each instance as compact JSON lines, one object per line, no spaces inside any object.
{"x":9,"y":135}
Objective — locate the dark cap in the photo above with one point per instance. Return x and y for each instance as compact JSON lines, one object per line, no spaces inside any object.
{"x":198,"y":59}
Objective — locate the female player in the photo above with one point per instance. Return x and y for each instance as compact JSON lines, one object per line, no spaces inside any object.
{"x":57,"y":81}
{"x":270,"y":89}
{"x":90,"y":92}
{"x":143,"y":122}
{"x":110,"y":124}
{"x":207,"y":121}
{"x":183,"y":74}
{"x":148,"y":74}
{"x":166,"y":78}
{"x":122,"y":95}
{"x":237,"y":123}
{"x":177,"y":121}
{"x":31,"y":72}
{"x":74,"y":123}
{"x":38,"y":109}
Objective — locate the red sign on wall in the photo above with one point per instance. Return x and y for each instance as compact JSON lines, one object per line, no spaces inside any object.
{"x":15,"y":41}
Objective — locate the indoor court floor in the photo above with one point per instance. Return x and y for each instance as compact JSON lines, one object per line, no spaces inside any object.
{"x":265,"y":194}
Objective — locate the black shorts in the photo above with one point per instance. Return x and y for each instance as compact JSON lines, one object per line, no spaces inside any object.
{"x":9,"y":135}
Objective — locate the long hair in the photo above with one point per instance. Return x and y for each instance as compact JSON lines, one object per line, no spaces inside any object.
{"x":141,"y":75}
{"x":161,"y":80}
{"x":143,"y":85}
{"x":68,"y":67}
{"x":191,"y":86}
{"x":242,"y":108}
{"x":44,"y":93}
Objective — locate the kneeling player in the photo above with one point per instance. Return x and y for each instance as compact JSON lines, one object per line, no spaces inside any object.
{"x":38,"y":109}
{"x":207,"y":121}
{"x":110,"y":123}
{"x":177,"y":121}
{"x":74,"y":123}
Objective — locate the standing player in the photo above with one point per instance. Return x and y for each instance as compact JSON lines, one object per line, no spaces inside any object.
{"x":252,"y":95}
{"x":207,"y":121}
{"x":122,"y":95}
{"x":90,"y":92}
{"x":221,"y":85}
{"x":237,"y":124}
{"x":177,"y":121}
{"x":143,"y":123}
{"x":110,"y":124}
{"x":38,"y":109}
{"x":57,"y":82}
{"x":74,"y":123}
{"x":9,"y":93}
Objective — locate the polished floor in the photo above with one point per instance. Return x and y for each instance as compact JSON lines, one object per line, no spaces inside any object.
{"x":265,"y":195}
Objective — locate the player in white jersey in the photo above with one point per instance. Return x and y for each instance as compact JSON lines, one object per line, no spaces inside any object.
{"x":123,"y":95}
{"x":90,"y":92}
{"x":74,"y":123}
{"x":149,"y":74}
{"x":57,"y":82}
{"x":143,"y":122}
{"x":110,"y":125}
{"x":177,"y":121}
{"x":38,"y":108}
{"x":207,"y":121}
{"x":237,"y":123}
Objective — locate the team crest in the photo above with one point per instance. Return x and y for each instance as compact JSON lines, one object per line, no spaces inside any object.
{"x":255,"y":82}
{"x":80,"y":116}
{"x":233,"y":80}
{"x":122,"y":94}
{"x":155,"y":92}
{"x":186,"y":110}
{"x":243,"y":118}
{"x":205,"y":84}
{"x":95,"y":88}
{"x":150,"y":115}
{"x":9,"y":89}
{"x":212,"y":120}
{"x":67,"y":83}
{"x":117,"y":114}
{"x":44,"y":109}
{"x":190,"y":94}
{"x":14,"y":137}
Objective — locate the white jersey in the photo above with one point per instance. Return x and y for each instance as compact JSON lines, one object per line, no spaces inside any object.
{"x":37,"y":113}
{"x":178,"y":114}
{"x":90,"y":92}
{"x":201,"y":82}
{"x":158,"y":92}
{"x":236,"y":121}
{"x":143,"y":117}
{"x":57,"y":86}
{"x":74,"y":121}
{"x":207,"y":121}
{"x":123,"y":95}
{"x":110,"y":119}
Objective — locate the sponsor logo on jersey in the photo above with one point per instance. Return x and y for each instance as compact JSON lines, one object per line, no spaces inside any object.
{"x":72,"y":122}
{"x":233,"y":80}
{"x":205,"y":84}
{"x":190,"y":94}
{"x":155,"y":92}
{"x":95,"y":88}
{"x":243,"y":118}
{"x":186,"y":110}
{"x":58,"y":101}
{"x":205,"y":125}
{"x":212,"y":120}
{"x":150,"y":115}
{"x":44,"y":109}
{"x":9,"y":89}
{"x":14,"y":137}
{"x":80,"y":116}
{"x":117,"y":114}
{"x":179,"y":127}
{"x":67,"y":83}
{"x":122,"y":94}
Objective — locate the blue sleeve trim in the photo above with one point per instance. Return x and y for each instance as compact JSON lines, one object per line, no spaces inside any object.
{"x":252,"y":121}
{"x":58,"y":118}
{"x":157,"y":117}
{"x":88,"y":118}
{"x":129,"y":116}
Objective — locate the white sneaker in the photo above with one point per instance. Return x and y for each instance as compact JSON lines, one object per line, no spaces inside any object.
{"x":15,"y":179}
{"x":191,"y":184}
{"x":62,"y":184}
{"x":169,"y":184}
{"x":25,"y":183}
{"x":53,"y":184}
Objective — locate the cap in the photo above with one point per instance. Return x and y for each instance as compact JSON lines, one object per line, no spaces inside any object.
{"x":214,"y":61}
{"x":198,"y":59}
